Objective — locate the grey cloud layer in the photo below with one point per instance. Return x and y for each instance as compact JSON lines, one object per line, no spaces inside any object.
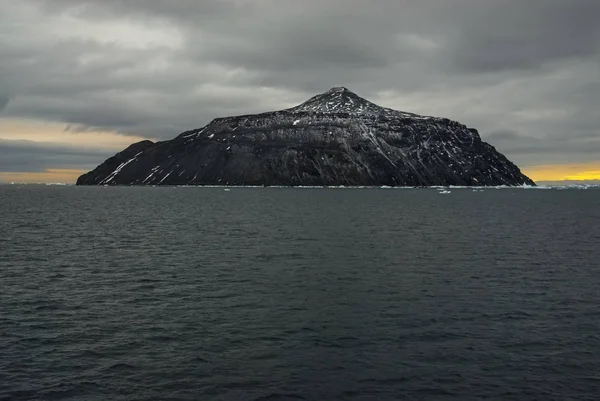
{"x":527,"y":66}
{"x":3,"y":102}
{"x":28,"y":156}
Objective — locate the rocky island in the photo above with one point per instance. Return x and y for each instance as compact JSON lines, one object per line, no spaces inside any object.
{"x":335,"y":138}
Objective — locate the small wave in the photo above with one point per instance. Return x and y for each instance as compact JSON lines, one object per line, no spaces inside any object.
{"x":275,"y":256}
{"x":119,"y":367}
{"x":299,"y":330}
{"x":198,"y":359}
{"x":436,"y":391}
{"x":88,"y":353}
{"x":220,"y":296}
{"x":161,"y":338}
{"x":48,"y":307}
{"x":385,"y":381}
{"x":146,"y":287}
{"x":279,"y":396}
{"x":264,"y":357}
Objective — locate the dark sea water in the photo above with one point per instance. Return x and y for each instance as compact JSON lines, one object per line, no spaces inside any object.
{"x":299,"y":294}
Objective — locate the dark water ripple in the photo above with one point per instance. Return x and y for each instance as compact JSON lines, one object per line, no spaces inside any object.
{"x":278,"y":294}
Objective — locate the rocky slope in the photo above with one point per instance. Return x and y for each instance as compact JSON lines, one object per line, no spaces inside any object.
{"x":335,"y":138}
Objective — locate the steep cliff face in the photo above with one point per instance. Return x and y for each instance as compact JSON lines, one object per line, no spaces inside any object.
{"x":335,"y":138}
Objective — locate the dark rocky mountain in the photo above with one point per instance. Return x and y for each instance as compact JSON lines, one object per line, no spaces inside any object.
{"x":333,"y":139}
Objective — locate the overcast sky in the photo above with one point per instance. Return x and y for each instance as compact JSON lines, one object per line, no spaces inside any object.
{"x":76,"y":76}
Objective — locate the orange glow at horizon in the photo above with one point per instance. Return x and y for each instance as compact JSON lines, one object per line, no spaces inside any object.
{"x":51,"y":175}
{"x":564,"y":172}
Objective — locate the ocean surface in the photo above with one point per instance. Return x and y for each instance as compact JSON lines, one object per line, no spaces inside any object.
{"x":299,"y":294}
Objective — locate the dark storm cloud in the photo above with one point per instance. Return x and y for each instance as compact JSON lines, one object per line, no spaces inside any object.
{"x":512,"y":34}
{"x":29,"y":156}
{"x":156,"y":68}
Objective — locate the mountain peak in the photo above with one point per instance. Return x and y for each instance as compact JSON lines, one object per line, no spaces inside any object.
{"x":338,"y":99}
{"x":336,"y":89}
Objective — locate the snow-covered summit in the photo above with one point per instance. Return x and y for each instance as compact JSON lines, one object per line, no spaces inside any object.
{"x":342,"y":100}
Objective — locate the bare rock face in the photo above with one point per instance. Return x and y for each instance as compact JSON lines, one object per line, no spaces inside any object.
{"x":333,"y":139}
